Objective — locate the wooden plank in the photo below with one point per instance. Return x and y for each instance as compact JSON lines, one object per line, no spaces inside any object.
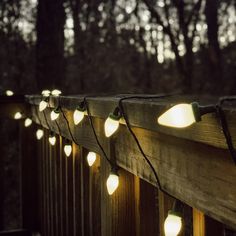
{"x":188,"y":170}
{"x":198,"y":223}
{"x":150,"y":109}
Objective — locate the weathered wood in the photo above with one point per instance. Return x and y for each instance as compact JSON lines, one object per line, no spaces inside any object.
{"x":188,"y":168}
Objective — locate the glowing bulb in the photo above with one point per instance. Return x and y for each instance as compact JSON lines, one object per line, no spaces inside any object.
{"x":39,"y":134}
{"x":78,"y":116}
{"x":55,"y":114}
{"x":111,"y":126}
{"x":17,"y":116}
{"x":9,"y":93}
{"x":67,"y":149}
{"x":179,"y":116}
{"x":172,"y":225}
{"x":46,"y":93}
{"x":43,"y":105}
{"x":91,"y":158}
{"x":28,"y":122}
{"x":52,"y":140}
{"x":56,"y":92}
{"x":112,"y":183}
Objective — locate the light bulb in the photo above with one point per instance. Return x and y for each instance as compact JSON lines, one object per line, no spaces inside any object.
{"x":179,"y":116}
{"x":78,"y":116}
{"x":52,"y":139}
{"x":17,"y":116}
{"x":172,"y":225}
{"x":91,"y":158}
{"x":39,"y":134}
{"x":56,"y":92}
{"x":9,"y":93}
{"x":28,"y":122}
{"x":67,"y":149}
{"x":46,"y":93}
{"x":55,"y":114}
{"x":43,"y":105}
{"x":111,"y":126}
{"x":112,"y":183}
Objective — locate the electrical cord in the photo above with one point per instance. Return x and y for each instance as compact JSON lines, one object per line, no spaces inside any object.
{"x":134,"y":136}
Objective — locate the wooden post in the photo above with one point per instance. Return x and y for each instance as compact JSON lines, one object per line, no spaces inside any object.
{"x":198,"y":223}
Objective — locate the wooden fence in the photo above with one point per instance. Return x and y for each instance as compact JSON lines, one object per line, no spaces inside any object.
{"x":64,"y":196}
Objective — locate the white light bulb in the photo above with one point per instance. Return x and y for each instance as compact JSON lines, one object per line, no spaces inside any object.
{"x":46,"y":93}
{"x":172,"y":225}
{"x":112,"y":183}
{"x":111,"y":126}
{"x":179,"y":116}
{"x":39,"y":134}
{"x":78,"y":116}
{"x":91,"y":158}
{"x":52,"y":140}
{"x":17,"y":116}
{"x":9,"y":93}
{"x":54,"y":115}
{"x":28,"y":122}
{"x":43,"y":105}
{"x":67,"y":149}
{"x":56,"y":92}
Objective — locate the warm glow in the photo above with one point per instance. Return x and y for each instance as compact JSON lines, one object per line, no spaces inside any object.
{"x":172,"y":225}
{"x":67,"y":149}
{"x":39,"y":134}
{"x":91,"y":158}
{"x":9,"y":93}
{"x":43,"y":105}
{"x":17,"y":116}
{"x":46,"y":92}
{"x":111,"y":126}
{"x":178,"y":116}
{"x":78,"y":116}
{"x":56,"y":92}
{"x":54,"y":115}
{"x":112,"y":183}
{"x":28,"y":122}
{"x":52,"y":140}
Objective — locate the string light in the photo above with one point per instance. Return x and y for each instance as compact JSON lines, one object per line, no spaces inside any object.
{"x":28,"y":122}
{"x":43,"y":104}
{"x":79,"y":113}
{"x":184,"y":115}
{"x":18,"y":115}
{"x":112,"y":122}
{"x":55,"y":113}
{"x":52,"y":139}
{"x":112,"y":182}
{"x":9,"y":93}
{"x":39,"y":134}
{"x":173,"y":222}
{"x":67,"y":148}
{"x":91,"y":158}
{"x":56,"y":92}
{"x":46,"y":93}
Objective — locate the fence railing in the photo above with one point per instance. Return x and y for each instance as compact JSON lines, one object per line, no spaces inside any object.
{"x":193,"y":165}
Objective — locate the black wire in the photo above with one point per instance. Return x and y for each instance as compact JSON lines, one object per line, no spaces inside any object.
{"x":94,"y":132}
{"x":224,"y":125}
{"x":134,"y":136}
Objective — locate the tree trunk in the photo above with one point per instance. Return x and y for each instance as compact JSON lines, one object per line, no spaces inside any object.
{"x":214,"y":53}
{"x":50,"y":65}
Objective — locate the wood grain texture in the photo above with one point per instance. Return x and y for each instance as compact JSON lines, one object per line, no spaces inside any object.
{"x":193,"y":164}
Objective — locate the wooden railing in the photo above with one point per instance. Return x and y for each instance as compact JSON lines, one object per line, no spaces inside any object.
{"x":69,"y":198}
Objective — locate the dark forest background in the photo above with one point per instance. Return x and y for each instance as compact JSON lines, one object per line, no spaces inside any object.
{"x":118,"y":46}
{"x":112,"y":46}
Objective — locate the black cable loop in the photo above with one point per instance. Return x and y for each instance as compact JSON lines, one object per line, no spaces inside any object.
{"x":94,"y":132}
{"x":136,"y":139}
{"x":224,"y":125}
